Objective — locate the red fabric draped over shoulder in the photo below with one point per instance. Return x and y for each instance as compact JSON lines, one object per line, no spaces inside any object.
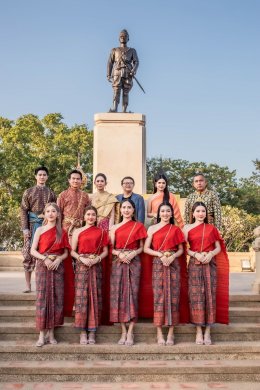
{"x":47,"y":242}
{"x":129,"y":234}
{"x":174,"y":238}
{"x":168,"y":238}
{"x":146,"y":290}
{"x":47,"y":245}
{"x":92,"y":240}
{"x":212,"y":235}
{"x":222,"y":298}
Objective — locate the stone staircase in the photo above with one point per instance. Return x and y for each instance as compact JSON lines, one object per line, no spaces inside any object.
{"x":235,"y":355}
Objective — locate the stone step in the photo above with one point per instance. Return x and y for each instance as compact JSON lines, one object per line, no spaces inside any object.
{"x":131,"y":370}
{"x":11,"y":269}
{"x":22,"y":313}
{"x":144,"y":332}
{"x":130,"y":386}
{"x":17,"y":299}
{"x":25,"y":350}
{"x":247,"y":300}
{"x":11,"y":260}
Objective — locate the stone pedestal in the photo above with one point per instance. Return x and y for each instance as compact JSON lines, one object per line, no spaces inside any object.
{"x":120,"y":149}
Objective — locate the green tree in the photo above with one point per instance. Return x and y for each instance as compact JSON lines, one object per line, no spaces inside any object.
{"x":249,"y":192}
{"x":29,"y":142}
{"x":237,"y":228}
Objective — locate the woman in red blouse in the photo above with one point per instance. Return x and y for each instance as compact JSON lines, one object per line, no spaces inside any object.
{"x":50,"y":246}
{"x":127,"y":243}
{"x":89,"y":247}
{"x":208,"y":274}
{"x":165,"y":243}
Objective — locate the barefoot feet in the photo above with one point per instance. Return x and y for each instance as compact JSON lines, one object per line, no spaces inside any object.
{"x":122,"y":340}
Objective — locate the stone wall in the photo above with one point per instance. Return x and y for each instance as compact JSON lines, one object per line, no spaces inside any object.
{"x":12,"y":261}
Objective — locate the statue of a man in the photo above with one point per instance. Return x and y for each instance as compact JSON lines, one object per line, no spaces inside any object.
{"x":121,"y":67}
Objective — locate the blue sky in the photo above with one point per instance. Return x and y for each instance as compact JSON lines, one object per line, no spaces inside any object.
{"x":199,"y":65}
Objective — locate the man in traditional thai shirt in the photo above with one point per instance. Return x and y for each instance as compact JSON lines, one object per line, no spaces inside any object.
{"x":72,"y":203}
{"x":33,"y":203}
{"x":209,"y":197}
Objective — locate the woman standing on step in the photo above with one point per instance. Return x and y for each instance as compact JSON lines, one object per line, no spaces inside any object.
{"x":89,"y":247}
{"x":127,"y":243}
{"x":165,"y":243}
{"x":50,"y":246}
{"x":208,"y":274}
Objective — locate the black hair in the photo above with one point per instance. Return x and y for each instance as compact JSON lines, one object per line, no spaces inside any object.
{"x":196,"y":204}
{"x":74,"y":171}
{"x":127,"y":177}
{"x":199,"y":174}
{"x":158,"y":212}
{"x":102,"y":175}
{"x":132,"y":204}
{"x":166,"y":195}
{"x":41,"y":169}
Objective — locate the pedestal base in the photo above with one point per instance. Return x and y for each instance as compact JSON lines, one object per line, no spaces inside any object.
{"x":120,"y":149}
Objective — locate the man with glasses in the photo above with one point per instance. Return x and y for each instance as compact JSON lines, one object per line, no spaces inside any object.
{"x":127,"y":184}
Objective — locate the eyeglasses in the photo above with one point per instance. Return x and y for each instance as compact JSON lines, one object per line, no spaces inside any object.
{"x":128,"y":183}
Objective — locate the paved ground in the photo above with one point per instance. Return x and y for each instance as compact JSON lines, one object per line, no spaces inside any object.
{"x":13,"y":282}
{"x":131,"y":386}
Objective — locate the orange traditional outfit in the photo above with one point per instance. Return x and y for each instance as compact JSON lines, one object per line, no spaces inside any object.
{"x":158,"y":199}
{"x":72,"y":204}
{"x":125,"y":278}
{"x":208,"y":283}
{"x":170,"y":284}
{"x":50,"y":305}
{"x":88,"y":280}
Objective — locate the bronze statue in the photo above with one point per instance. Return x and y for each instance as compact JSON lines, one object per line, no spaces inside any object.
{"x":121,"y":68}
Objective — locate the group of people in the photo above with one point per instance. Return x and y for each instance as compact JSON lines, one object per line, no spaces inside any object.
{"x":89,"y":254}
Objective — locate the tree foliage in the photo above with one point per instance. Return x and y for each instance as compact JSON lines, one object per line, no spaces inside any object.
{"x":29,"y":142}
{"x":248,"y":194}
{"x":237,"y":228}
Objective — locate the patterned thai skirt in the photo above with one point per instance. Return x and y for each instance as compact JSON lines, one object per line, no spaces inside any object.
{"x":49,"y":296}
{"x":88,"y":296}
{"x":124,"y":290}
{"x":166,"y":292}
{"x":202,"y":292}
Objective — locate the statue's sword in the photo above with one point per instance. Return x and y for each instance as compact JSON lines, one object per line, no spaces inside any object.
{"x":140,"y":86}
{"x":138,"y":83}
